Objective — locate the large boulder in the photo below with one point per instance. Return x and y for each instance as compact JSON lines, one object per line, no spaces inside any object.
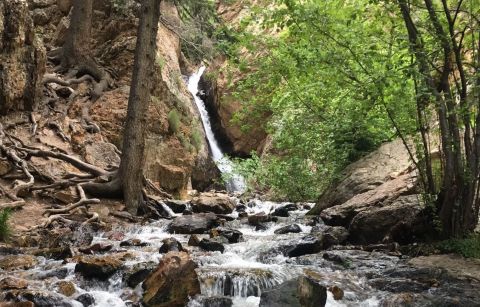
{"x":213,"y":202}
{"x":386,"y":193}
{"x":302,"y":292}
{"x":368,"y":173}
{"x":99,"y":267}
{"x":193,"y":224}
{"x":399,"y":221}
{"x":173,"y":281}
{"x":232,"y":235}
{"x":22,"y":58}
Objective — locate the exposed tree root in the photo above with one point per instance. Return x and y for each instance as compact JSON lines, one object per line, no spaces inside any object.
{"x":13,"y":205}
{"x":83,"y":166}
{"x":84,"y":201}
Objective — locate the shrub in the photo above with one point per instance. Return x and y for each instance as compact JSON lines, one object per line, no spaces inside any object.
{"x":196,"y":140}
{"x":4,"y":226}
{"x":174,"y":120}
{"x":468,"y":247}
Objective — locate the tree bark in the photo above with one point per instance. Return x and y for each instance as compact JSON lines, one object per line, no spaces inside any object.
{"x":77,"y":43}
{"x":132,"y":162}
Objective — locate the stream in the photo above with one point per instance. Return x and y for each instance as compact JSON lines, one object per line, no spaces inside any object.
{"x":245,"y":269}
{"x":259,"y":262}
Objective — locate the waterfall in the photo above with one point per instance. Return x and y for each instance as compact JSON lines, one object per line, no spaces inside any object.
{"x":235,"y":182}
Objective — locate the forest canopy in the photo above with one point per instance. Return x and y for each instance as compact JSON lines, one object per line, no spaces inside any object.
{"x":338,"y":78}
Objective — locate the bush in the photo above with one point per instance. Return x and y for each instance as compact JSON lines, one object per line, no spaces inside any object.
{"x":4,"y":226}
{"x":468,"y":247}
{"x":196,"y":140}
{"x":174,"y":120}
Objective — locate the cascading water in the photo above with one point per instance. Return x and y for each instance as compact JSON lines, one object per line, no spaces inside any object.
{"x":234,"y":182}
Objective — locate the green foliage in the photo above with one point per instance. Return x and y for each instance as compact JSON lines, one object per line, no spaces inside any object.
{"x":468,"y":247}
{"x":173,"y":121}
{"x":325,"y":82}
{"x":5,"y":230}
{"x":196,"y":140}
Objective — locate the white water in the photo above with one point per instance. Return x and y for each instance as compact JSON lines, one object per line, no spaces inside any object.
{"x":234,"y":181}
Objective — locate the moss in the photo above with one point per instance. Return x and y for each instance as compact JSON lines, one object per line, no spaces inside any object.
{"x":468,"y":247}
{"x":174,"y":121}
{"x":5,"y":230}
{"x":196,"y":140}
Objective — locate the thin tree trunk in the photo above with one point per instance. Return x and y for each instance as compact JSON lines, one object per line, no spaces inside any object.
{"x":132,"y":162}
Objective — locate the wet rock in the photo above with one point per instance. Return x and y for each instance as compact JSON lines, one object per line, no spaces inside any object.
{"x":304,"y":291}
{"x":310,"y":244}
{"x":187,"y":212}
{"x":177,"y":206}
{"x":226,"y":217}
{"x":311,"y":292}
{"x":242,"y":215}
{"x":59,"y":253}
{"x":170,"y":245}
{"x":115,"y":235}
{"x":399,"y":285}
{"x":98,"y":267}
{"x":241,"y":208}
{"x":96,"y":248}
{"x":293,"y":228}
{"x":38,"y":298}
{"x":260,"y":227}
{"x":133,"y":242}
{"x":193,"y":224}
{"x":194,"y":240}
{"x":138,"y":273}
{"x":259,"y":219}
{"x":216,"y":301}
{"x":337,"y":292}
{"x":86,"y":299}
{"x":211,"y":245}
{"x":66,"y":288}
{"x":284,"y":210}
{"x":399,"y":221}
{"x":334,"y":236}
{"x":172,"y":282}
{"x":337,"y":258}
{"x":213,"y":202}
{"x":12,"y":283}
{"x":17,"y":262}
{"x":232,"y":235}
{"x":59,"y":273}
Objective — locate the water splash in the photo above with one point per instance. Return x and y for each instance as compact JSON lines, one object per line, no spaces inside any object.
{"x":235,"y":182}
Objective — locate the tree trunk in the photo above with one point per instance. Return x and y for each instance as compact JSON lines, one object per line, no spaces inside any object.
{"x":131,"y":166}
{"x":77,"y":43}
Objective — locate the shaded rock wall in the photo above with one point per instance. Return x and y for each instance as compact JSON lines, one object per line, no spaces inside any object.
{"x":22,"y":58}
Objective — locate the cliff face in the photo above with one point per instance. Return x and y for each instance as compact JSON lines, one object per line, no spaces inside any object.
{"x":220,"y":88}
{"x":22,"y":58}
{"x":175,"y":148}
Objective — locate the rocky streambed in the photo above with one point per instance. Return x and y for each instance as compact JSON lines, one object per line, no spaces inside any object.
{"x":220,"y":251}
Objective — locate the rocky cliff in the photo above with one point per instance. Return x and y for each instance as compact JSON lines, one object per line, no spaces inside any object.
{"x":174,"y":150}
{"x":219,"y":87}
{"x":22,"y":58}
